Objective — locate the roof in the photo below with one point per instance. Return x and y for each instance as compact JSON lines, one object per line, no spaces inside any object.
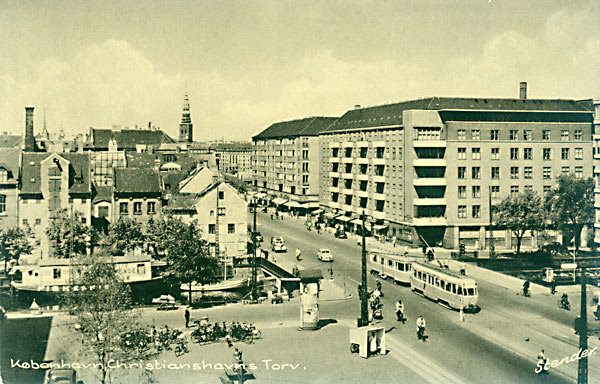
{"x":136,"y":180}
{"x":310,"y":275}
{"x":9,"y":160}
{"x":79,"y":172}
{"x":141,"y":160}
{"x":10,"y":141}
{"x":391,"y":114}
{"x":128,"y":138}
{"x":182,"y":202}
{"x":310,"y":126}
{"x":232,"y":147}
{"x":103,"y":193}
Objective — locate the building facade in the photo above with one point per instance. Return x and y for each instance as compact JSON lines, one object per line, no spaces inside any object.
{"x":286,"y":159}
{"x":9,"y":184}
{"x":136,"y":194}
{"x":596,"y":162}
{"x":425,"y":171}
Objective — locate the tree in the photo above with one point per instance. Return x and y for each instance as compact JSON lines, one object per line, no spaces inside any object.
{"x":102,"y":308}
{"x":124,"y":235}
{"x":519,"y":214}
{"x":186,"y":252}
{"x":570,"y":206}
{"x":14,"y":242}
{"x":68,"y":235}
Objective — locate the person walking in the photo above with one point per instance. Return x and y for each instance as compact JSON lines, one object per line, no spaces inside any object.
{"x":187,"y":318}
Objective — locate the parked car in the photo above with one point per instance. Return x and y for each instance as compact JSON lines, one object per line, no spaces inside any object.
{"x":324,"y":255}
{"x":340,"y":234}
{"x":61,"y":376}
{"x":277,"y":245}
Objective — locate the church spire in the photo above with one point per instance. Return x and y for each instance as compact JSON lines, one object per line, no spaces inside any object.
{"x":186,"y":133}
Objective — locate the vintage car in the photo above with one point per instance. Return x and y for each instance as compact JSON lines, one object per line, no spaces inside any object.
{"x":277,"y":245}
{"x":324,"y":255}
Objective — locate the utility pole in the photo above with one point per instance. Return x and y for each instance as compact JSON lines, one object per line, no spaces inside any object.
{"x":582,"y":369}
{"x":363,"y":292}
{"x":254,"y":271}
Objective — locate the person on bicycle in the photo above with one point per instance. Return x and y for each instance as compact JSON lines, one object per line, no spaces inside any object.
{"x":526,"y":288}
{"x":399,"y":309}
{"x":564,"y":301}
{"x":420,"y":327}
{"x":298,"y":254}
{"x":541,"y":364}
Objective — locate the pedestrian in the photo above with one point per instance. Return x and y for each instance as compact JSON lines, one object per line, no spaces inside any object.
{"x":553,"y":287}
{"x":394,"y":241}
{"x":187,"y":318}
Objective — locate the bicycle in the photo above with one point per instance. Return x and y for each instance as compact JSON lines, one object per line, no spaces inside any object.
{"x":181,"y":348}
{"x":564,"y":305}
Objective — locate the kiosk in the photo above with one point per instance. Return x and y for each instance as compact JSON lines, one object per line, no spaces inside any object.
{"x":367,"y":341}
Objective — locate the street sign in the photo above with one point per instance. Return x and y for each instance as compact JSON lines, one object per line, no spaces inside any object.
{"x":568,"y":266}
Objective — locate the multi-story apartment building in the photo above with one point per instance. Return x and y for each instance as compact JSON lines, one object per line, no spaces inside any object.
{"x":286,"y":159}
{"x":136,"y":194}
{"x":233,"y":158}
{"x":596,"y":162}
{"x":426,"y":170}
{"x":49,"y":183}
{"x":9,"y":183}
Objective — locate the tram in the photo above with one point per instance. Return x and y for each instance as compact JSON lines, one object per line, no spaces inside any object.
{"x":390,"y":267}
{"x":444,"y":286}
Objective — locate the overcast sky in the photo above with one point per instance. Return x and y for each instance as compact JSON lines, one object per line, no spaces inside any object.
{"x":247,"y":64}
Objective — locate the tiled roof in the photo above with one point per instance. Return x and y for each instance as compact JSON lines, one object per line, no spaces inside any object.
{"x":391,"y":114}
{"x":136,"y":180}
{"x":310,"y":126}
{"x":182,"y":202}
{"x":140,"y":160}
{"x":9,"y":160}
{"x":10,"y":141}
{"x":128,"y":138}
{"x":79,"y":172}
{"x":231,"y":147}
{"x":102,"y":193}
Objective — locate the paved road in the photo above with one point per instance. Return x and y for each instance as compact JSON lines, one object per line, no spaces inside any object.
{"x":497,"y":345}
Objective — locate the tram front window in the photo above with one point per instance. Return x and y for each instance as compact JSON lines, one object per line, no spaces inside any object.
{"x":471,"y":292}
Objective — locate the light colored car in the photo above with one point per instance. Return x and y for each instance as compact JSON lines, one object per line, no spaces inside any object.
{"x":61,"y":376}
{"x":324,"y":255}
{"x":277,"y":245}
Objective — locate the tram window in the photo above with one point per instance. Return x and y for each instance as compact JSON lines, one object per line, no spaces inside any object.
{"x":449,"y":287}
{"x":390,"y":263}
{"x":374,"y":258}
{"x":400,"y":266}
{"x":419,"y":276}
{"x":381,"y":260}
{"x":437,"y":282}
{"x":471,"y":291}
{"x":459,"y":291}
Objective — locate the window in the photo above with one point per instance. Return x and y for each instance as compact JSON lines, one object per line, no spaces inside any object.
{"x":527,"y":153}
{"x":25,"y":222}
{"x":461,"y":134}
{"x":3,"y":175}
{"x":363,"y":169}
{"x":495,"y":191}
{"x":547,"y":173}
{"x":564,"y":153}
{"x":494,"y":135}
{"x":348,"y":152}
{"x":475,"y":134}
{"x":495,"y":173}
{"x":462,"y":172}
{"x":514,"y":190}
{"x":38,"y":221}
{"x":495,"y":153}
{"x":363,"y":185}
{"x":566,"y":170}
{"x":578,"y":135}
{"x":462,"y":153}
{"x":335,"y":196}
{"x":334,"y":152}
{"x":348,"y":199}
{"x":363,"y":202}
{"x":527,"y":135}
{"x":462,"y":211}
{"x":56,"y":273}
{"x":347,"y":168}
{"x":578,"y":153}
{"x":124,"y":208}
{"x":462,"y":191}
{"x":514,"y":134}
{"x":476,"y":153}
{"x":476,"y":211}
{"x":221,"y":195}
{"x":379,"y":205}
{"x":476,"y":172}
{"x":2,"y":203}
{"x":231,"y":228}
{"x":476,"y":191}
{"x":335,"y":181}
{"x":546,"y":135}
{"x":547,"y":154}
{"x":380,"y":152}
{"x":137,"y":208}
{"x":514,"y":153}
{"x":528,"y":173}
{"x":211,"y":229}
{"x":151,"y":208}
{"x":528,"y":188}
{"x":564,"y":135}
{"x":514,"y":172}
{"x":363,"y":152}
{"x":547,"y":189}
{"x":304,"y":179}
{"x":579,"y":172}
{"x":141,"y":269}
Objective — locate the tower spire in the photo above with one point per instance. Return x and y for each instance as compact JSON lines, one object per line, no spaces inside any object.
{"x":186,"y":127}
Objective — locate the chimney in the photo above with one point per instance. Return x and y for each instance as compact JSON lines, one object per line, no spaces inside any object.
{"x":29,"y":140}
{"x":523,"y":90}
{"x":356,"y":106}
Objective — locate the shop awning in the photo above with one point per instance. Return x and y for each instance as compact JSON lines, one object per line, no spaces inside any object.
{"x":293,"y":204}
{"x":357,"y":221}
{"x":330,"y":215}
{"x":261,"y":195}
{"x":317,"y":212}
{"x":343,"y":218}
{"x":279,"y":201}
{"x":312,"y":204}
{"x":379,"y":227}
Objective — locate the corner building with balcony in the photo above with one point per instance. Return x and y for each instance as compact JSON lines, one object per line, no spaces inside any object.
{"x":425,"y":171}
{"x":286,"y":160}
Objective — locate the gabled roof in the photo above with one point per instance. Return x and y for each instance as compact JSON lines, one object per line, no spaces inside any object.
{"x":128,"y":138}
{"x":391,"y":114}
{"x":136,"y":180}
{"x":102,"y":193}
{"x":310,"y":126}
{"x":10,"y":141}
{"x":79,"y":172}
{"x":9,"y":160}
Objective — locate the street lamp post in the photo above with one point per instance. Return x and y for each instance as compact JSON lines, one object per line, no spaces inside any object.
{"x":254,"y":272}
{"x":364,"y":309}
{"x":582,"y":369}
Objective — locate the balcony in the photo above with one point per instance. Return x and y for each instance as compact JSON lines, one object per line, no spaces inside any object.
{"x":362,"y":193}
{"x":429,"y":143}
{"x":334,"y":174}
{"x":378,"y":179}
{"x":334,"y":189}
{"x":379,"y":196}
{"x":334,"y":159}
{"x":430,"y":182}
{"x":347,"y":191}
{"x":379,"y":161}
{"x":429,"y":162}
{"x":430,"y":221}
{"x":363,"y":160}
{"x":362,"y":177}
{"x":378,"y":215}
{"x":347,"y":159}
{"x":429,"y":201}
{"x":347,"y":175}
